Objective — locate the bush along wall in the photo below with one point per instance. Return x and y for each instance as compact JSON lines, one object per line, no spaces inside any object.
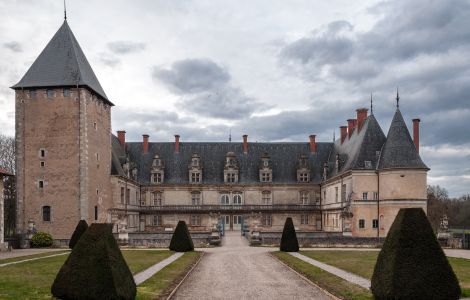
{"x":41,"y":239}
{"x":289,"y":242}
{"x":82,"y":226}
{"x":411,"y":264}
{"x":95,"y":269}
{"x":181,"y":240}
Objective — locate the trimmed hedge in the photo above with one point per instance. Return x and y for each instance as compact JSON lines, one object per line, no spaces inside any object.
{"x":41,"y":239}
{"x":289,"y":242}
{"x":95,"y":269}
{"x":411,"y":264}
{"x":82,"y":226}
{"x":181,"y":240}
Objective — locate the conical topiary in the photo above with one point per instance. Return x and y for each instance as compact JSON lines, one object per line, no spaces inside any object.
{"x":289,"y":242}
{"x":181,"y":240}
{"x":82,"y":226}
{"x":411,"y":264}
{"x":95,"y":269}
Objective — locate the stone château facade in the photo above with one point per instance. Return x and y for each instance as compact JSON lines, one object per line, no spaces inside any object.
{"x":71,"y":167}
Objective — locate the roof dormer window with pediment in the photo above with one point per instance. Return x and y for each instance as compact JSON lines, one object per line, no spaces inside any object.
{"x":265,"y":169}
{"x":195,"y":169}
{"x":157,"y":172}
{"x":303,"y":170}
{"x":230,"y":168}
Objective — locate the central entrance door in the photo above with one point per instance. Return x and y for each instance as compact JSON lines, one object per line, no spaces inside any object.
{"x":237,"y":222}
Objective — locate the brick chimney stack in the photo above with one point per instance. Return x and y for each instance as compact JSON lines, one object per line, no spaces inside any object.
{"x":313,"y":143}
{"x":351,"y":126}
{"x":416,"y":133}
{"x":245,"y":144}
{"x":145,"y":143}
{"x":177,"y":143}
{"x":121,"y":137}
{"x":344,"y":133}
{"x":361,"y":117}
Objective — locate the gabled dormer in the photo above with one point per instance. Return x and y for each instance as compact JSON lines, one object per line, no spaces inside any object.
{"x":195,"y":169}
{"x":265,"y":169}
{"x":230,"y":168}
{"x":157,"y":172}
{"x":303,"y":170}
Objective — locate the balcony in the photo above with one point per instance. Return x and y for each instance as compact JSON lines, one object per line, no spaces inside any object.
{"x":223,"y":209}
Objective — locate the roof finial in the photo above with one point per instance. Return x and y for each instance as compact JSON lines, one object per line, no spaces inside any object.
{"x":371,"y":107}
{"x":65,"y":12}
{"x":334,"y":138}
{"x":398,"y":99}
{"x":230,"y":136}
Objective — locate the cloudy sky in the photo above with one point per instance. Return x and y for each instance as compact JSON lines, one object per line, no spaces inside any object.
{"x":275,"y":70}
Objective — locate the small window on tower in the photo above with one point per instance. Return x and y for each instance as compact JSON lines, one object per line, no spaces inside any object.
{"x":42,"y":152}
{"x":32,"y":94}
{"x":50,"y":93}
{"x":41,"y":184}
{"x":46,"y":213}
{"x":96,"y":213}
{"x":43,"y":164}
{"x":66,"y":92}
{"x":95,"y":126}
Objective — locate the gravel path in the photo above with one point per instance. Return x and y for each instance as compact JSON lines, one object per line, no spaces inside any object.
{"x":237,"y":271}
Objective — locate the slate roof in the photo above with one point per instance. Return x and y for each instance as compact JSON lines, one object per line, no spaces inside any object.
{"x":62,"y":63}
{"x":362,"y":146}
{"x":284,"y":158}
{"x":399,"y":150}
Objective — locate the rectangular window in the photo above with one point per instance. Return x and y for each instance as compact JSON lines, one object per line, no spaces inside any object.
{"x":267,"y":220}
{"x":42,"y":153}
{"x":304,"y":219}
{"x":304,"y":197}
{"x":157,"y":199}
{"x":196,"y":198}
{"x":364,"y":195}
{"x":96,"y":213}
{"x":157,"y":220}
{"x":43,"y":164}
{"x":336,"y":194}
{"x":362,"y":223}
{"x":195,"y":177}
{"x":122,"y":195}
{"x":368,"y":164}
{"x":32,"y":94}
{"x":230,"y":178}
{"x":41,"y":184}
{"x":157,"y":178}
{"x":343,"y":193}
{"x":66,"y":92}
{"x":375,"y":223}
{"x":303,"y":177}
{"x":266,"y":198}
{"x":50,"y":93}
{"x":46,"y":213}
{"x":376,"y":196}
{"x":95,"y":126}
{"x":266,"y":177}
{"x":128,"y":196}
{"x":195,"y":220}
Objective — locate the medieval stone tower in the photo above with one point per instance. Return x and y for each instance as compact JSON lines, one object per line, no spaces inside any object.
{"x":63,"y":138}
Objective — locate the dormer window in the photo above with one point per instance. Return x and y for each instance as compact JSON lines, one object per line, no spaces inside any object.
{"x":195,"y":169}
{"x":157,"y":171}
{"x":230,"y":177}
{"x":195,"y":177}
{"x":134,"y":173}
{"x":195,"y":162}
{"x":368,"y":164}
{"x":265,"y":171}
{"x":265,"y":176}
{"x":230,"y":168}
{"x":157,"y":178}
{"x":303,"y":177}
{"x":303,"y":171}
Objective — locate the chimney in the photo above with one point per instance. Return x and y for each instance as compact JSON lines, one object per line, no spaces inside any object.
{"x":313,"y":144}
{"x":121,"y":137}
{"x":177,"y":143}
{"x":344,"y":133}
{"x":245,"y":144}
{"x":351,"y":126}
{"x":145,"y":143}
{"x":416,"y":133}
{"x":361,"y":117}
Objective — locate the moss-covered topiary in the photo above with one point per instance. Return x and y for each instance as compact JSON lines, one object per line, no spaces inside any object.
{"x":95,"y":269}
{"x":289,"y":242}
{"x":41,"y":239}
{"x":82,"y":226}
{"x":181,"y":240}
{"x":411,"y":264}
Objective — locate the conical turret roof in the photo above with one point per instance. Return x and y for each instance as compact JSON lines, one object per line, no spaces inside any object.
{"x":399,"y":150}
{"x":62,"y":63}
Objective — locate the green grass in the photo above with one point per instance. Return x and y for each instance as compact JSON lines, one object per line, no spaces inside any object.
{"x":326,"y":280}
{"x":7,"y":260}
{"x":362,"y":263}
{"x":162,"y":283}
{"x":33,"y":280}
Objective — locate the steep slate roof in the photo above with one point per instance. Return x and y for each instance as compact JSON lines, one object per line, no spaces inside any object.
{"x":284,"y":160}
{"x":399,"y":150}
{"x":62,"y":63}
{"x":360,"y":147}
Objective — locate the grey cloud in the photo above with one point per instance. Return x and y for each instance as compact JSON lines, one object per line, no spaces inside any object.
{"x":192,"y":76}
{"x":110,"y":61}
{"x":125,"y":47}
{"x":13,"y":46}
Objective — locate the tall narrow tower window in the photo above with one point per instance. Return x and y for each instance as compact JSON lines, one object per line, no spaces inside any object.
{"x":46,"y":213}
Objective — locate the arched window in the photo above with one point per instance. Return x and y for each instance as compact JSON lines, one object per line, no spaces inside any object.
{"x":224,"y":199}
{"x":237,"y":199}
{"x":46,"y":213}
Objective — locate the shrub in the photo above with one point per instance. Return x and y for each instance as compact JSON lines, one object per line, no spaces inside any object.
{"x":41,"y":239}
{"x":82,"y":226}
{"x":289,"y":242}
{"x":95,"y":269}
{"x":411,"y":264}
{"x":181,"y":240}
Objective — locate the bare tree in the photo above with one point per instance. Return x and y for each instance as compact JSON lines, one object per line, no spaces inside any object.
{"x":7,"y":162}
{"x":7,"y":153}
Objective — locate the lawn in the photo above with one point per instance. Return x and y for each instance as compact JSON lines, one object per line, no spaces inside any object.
{"x":362,"y":263}
{"x":7,"y":260}
{"x":33,"y":280}
{"x":326,"y":280}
